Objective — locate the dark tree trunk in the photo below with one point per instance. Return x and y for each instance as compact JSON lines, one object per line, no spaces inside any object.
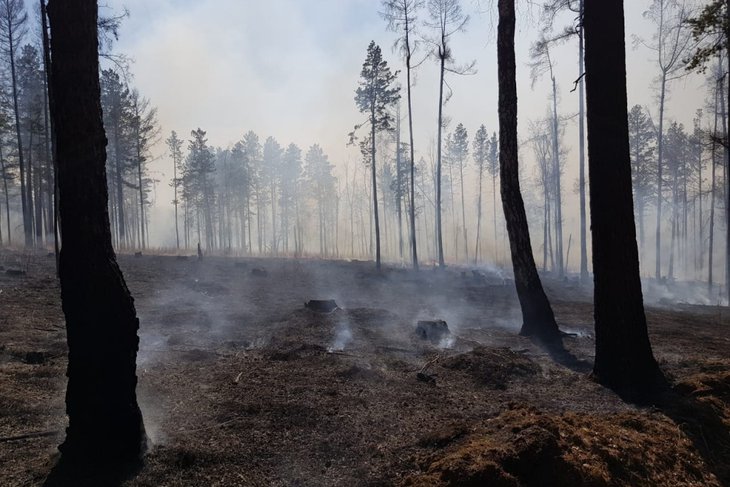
{"x":27,"y":224}
{"x":537,"y":315}
{"x":439,"y":235}
{"x":105,"y":423}
{"x":624,"y":359}
{"x":7,"y":195}
{"x":375,"y":190}
{"x":414,"y":251}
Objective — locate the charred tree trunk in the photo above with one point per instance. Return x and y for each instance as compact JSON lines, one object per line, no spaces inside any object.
{"x":105,"y":423}
{"x":537,"y":315}
{"x":624,"y":359}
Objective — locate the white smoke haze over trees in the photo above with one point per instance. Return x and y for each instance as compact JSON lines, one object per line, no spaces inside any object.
{"x":273,"y":69}
{"x":355,"y":242}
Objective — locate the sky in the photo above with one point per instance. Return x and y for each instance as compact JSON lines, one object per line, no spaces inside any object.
{"x":289,"y":68}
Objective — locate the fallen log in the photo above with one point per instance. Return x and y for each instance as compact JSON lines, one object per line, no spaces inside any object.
{"x":27,"y":436}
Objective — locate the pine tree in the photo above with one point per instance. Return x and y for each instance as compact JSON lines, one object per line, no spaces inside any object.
{"x":174,"y":145}
{"x":480,"y":151}
{"x":375,"y":96}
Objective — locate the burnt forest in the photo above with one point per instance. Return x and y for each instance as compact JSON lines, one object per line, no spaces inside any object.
{"x":409,"y":243}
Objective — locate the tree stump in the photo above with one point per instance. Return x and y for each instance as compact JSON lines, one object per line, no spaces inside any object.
{"x":321,"y":305}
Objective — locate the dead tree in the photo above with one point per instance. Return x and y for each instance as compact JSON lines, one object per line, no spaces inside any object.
{"x":105,"y":422}
{"x":537,"y":315}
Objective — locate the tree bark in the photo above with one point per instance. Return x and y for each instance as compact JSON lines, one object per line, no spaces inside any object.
{"x":105,"y":422}
{"x":414,"y":251}
{"x":537,"y":315}
{"x":21,"y":163}
{"x":375,"y":190}
{"x":581,"y":153}
{"x":558,"y":190}
{"x":439,"y":236}
{"x":624,"y":359}
{"x":659,"y":180}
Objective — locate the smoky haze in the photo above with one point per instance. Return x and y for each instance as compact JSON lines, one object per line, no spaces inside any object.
{"x":288,"y":69}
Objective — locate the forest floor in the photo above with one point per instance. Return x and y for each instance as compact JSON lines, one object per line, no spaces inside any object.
{"x":240,"y":384}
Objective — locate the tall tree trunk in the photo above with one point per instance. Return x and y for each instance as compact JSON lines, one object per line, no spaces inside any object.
{"x":29,"y":190}
{"x":726,"y":166}
{"x":139,"y":178}
{"x":545,"y":237}
{"x":118,"y":172}
{"x":38,"y":200}
{"x":537,"y":315}
{"x":27,"y":224}
{"x":175,"y":184}
{"x":701,"y":259}
{"x":463,"y":212}
{"x":273,"y":218}
{"x":399,"y":185}
{"x":494,"y":215}
{"x":659,"y":180}
{"x":414,"y":251}
{"x":51,"y":134}
{"x":439,"y":235}
{"x":713,"y":162}
{"x":581,"y":153}
{"x":624,"y":359}
{"x":375,"y":190}
{"x":673,"y":239}
{"x":479,"y":216}
{"x":105,"y":423}
{"x":7,"y":195}
{"x":558,"y":191}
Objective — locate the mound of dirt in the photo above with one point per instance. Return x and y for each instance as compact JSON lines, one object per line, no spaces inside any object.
{"x":523,"y":446}
{"x":492,"y":367}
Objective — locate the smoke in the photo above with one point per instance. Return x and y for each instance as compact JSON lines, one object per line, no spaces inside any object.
{"x":343,"y":336}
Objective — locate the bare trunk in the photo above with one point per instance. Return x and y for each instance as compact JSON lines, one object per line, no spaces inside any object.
{"x":624,"y":359}
{"x":538,"y":318}
{"x":21,"y":162}
{"x":375,"y":191}
{"x":463,"y":212}
{"x":558,"y":195}
{"x":439,"y":236}
{"x":414,"y":252}
{"x":105,"y":423}
{"x":581,"y":155}
{"x":659,"y":181}
{"x":479,"y":216}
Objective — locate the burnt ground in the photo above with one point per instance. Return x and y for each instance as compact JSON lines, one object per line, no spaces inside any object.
{"x":240,"y":384}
